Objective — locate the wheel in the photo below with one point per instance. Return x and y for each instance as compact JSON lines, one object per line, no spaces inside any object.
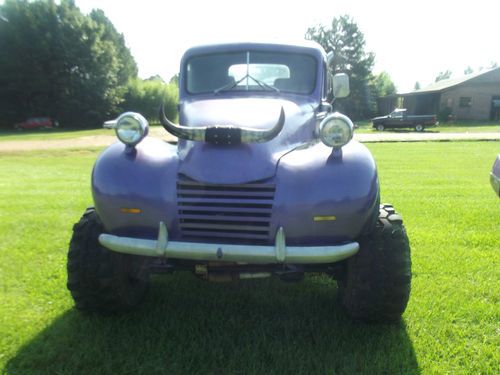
{"x":380,"y":127}
{"x":419,"y":128}
{"x":101,"y":280}
{"x":377,"y":280}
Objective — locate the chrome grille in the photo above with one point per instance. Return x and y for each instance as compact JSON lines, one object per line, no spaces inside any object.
{"x":225,"y":213}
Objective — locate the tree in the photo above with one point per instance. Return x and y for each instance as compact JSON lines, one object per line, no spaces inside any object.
{"x":443,"y":75}
{"x":417,"y":86}
{"x":347,"y":42}
{"x":58,"y":62}
{"x":468,"y":70}
{"x":174,"y":79}
{"x":145,"y":96}
{"x":127,"y":67}
{"x":382,"y":85}
{"x":155,"y":78}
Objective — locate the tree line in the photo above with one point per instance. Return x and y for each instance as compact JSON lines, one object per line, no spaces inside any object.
{"x":58,"y":62}
{"x":344,"y":38}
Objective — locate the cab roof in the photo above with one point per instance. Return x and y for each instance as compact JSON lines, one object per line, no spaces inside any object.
{"x":303,"y":46}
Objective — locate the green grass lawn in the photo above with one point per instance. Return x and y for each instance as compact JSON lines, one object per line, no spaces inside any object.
{"x":186,"y":326}
{"x":452,"y":127}
{"x":35,"y":135}
{"x":364,"y":127}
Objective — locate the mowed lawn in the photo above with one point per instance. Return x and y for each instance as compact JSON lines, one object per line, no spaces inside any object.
{"x":186,"y":326}
{"x":450,"y":127}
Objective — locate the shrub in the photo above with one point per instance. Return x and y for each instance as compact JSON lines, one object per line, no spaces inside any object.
{"x":146,"y":96}
{"x":444,"y":114}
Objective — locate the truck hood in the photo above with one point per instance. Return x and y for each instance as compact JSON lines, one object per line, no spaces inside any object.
{"x":380,"y":118}
{"x":236,"y":164}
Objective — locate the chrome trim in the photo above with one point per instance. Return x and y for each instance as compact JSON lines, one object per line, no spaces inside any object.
{"x":121,"y":122}
{"x":336,"y":116}
{"x":279,"y":253}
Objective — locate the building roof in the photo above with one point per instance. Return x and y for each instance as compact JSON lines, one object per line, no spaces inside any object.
{"x":448,"y":83}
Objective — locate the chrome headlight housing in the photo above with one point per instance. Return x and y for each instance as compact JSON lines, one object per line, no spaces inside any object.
{"x":131,"y":128}
{"x":336,"y":130}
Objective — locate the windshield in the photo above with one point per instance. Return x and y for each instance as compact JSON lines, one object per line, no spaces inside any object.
{"x":251,"y":71}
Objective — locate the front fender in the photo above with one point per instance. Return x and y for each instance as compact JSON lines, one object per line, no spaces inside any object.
{"x":142,"y":179}
{"x":325,"y":196}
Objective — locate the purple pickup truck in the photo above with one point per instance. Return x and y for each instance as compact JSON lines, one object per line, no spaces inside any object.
{"x":265,"y":181}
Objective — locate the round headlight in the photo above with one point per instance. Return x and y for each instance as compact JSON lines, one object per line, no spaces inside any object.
{"x":131,"y":128}
{"x":336,"y":130}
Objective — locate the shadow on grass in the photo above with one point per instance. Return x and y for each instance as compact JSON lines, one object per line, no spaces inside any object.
{"x":188,"y":326}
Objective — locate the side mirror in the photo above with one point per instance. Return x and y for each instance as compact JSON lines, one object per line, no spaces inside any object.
{"x":341,"y":85}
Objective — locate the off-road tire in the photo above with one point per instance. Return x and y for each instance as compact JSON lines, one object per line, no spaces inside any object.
{"x":101,"y":280}
{"x":377,"y":282}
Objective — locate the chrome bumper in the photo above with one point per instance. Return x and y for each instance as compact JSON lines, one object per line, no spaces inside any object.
{"x":279,"y":253}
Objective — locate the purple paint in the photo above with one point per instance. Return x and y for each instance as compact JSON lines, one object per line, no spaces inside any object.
{"x":242,"y":193}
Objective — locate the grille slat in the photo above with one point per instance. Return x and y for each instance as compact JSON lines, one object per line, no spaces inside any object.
{"x":187,"y":209}
{"x":224,"y":187}
{"x":223,"y":236}
{"x":202,"y":226}
{"x":227,"y":194}
{"x":240,"y":212}
{"x":236,"y":200}
{"x":236,"y":219}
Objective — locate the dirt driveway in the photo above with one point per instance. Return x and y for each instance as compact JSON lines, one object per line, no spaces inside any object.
{"x":105,"y":140}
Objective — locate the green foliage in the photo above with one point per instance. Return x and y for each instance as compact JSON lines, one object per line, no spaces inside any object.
{"x":174,"y":79}
{"x":443,"y":75}
{"x":380,"y":85}
{"x":468,"y":70}
{"x":417,"y":86}
{"x":155,"y":78}
{"x":444,"y":114}
{"x":347,"y":42}
{"x":146,"y":96}
{"x":58,"y":62}
{"x":187,"y":326}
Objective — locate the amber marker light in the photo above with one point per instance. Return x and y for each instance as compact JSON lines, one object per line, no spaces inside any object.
{"x":130,"y":210}
{"x":325,"y":218}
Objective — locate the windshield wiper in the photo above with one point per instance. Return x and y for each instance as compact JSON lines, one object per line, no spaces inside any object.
{"x":263,"y":84}
{"x":231,"y":85}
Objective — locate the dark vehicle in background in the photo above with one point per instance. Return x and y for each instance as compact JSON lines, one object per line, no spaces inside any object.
{"x":37,"y":123}
{"x":400,"y":119}
{"x":265,"y":180}
{"x":495,"y":176}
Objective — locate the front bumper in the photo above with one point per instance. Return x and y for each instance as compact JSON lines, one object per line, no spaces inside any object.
{"x":279,"y":253}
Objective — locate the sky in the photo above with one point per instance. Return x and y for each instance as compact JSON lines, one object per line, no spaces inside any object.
{"x":412,"y":41}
